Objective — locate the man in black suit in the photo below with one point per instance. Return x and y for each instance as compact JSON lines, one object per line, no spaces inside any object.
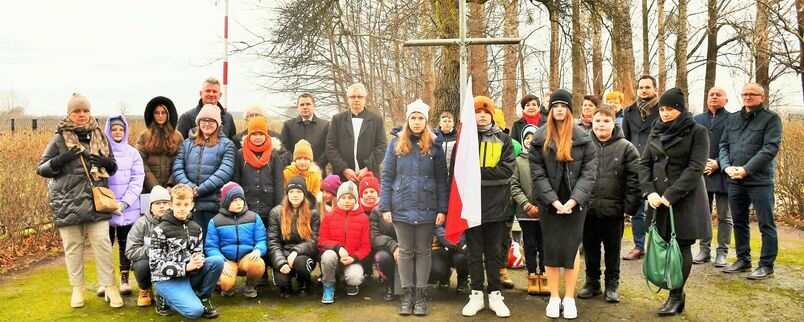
{"x":356,"y":139}
{"x":307,"y":126}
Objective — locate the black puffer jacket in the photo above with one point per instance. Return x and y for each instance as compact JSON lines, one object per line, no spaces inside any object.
{"x":547,"y":173}
{"x":383,"y":234}
{"x":616,"y":190}
{"x":263,"y":187}
{"x":69,"y":191}
{"x":173,"y":242}
{"x":279,"y":248}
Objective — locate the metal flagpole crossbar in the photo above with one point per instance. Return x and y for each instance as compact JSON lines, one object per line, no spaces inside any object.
{"x":462,"y":41}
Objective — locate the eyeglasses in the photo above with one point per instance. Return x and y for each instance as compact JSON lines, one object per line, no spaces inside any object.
{"x":356,"y":97}
{"x":746,"y":95}
{"x":207,"y":122}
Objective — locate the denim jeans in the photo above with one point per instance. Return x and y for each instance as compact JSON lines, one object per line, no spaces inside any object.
{"x":184,"y":294}
{"x":724,"y":223}
{"x":639,"y":227}
{"x":740,"y":198}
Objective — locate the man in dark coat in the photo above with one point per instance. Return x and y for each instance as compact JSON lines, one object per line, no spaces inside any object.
{"x":638,"y":120}
{"x":716,"y":186}
{"x":356,"y":139}
{"x":210,"y":94}
{"x":307,"y":126}
{"x":748,"y":151}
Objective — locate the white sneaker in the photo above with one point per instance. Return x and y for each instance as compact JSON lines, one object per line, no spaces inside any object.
{"x":553,"y":308}
{"x":496,"y":304}
{"x":570,"y":311}
{"x":475,"y":304}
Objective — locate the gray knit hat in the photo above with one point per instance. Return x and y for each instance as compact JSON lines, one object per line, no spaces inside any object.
{"x":348,"y":187}
{"x":158,"y":193}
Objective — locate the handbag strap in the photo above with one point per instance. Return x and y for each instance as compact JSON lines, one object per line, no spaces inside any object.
{"x":84,"y":164}
{"x":672,"y":224}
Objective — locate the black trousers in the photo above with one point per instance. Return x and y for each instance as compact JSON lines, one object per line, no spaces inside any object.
{"x":483,"y":245}
{"x":142,"y":273}
{"x":534,"y":245}
{"x":121,"y":234}
{"x":386,"y":264}
{"x":301,"y":268}
{"x":609,"y":232}
{"x":686,"y":262}
{"x":442,"y":263}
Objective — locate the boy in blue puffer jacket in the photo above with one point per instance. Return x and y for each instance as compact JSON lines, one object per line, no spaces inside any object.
{"x":239,"y":236}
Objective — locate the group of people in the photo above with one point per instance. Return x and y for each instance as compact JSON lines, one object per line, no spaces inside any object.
{"x":199,"y":204}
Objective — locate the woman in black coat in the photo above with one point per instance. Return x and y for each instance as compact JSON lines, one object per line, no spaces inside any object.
{"x":563,"y":170}
{"x":671,"y":174}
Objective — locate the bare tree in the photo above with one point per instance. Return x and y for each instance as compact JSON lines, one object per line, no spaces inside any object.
{"x":123,"y":107}
{"x":478,"y":64}
{"x":12,"y":103}
{"x":681,"y":50}
{"x":800,"y":19}
{"x":510,"y":58}
{"x":645,"y":43}
{"x":578,"y":56}
{"x":662,"y":44}
{"x":597,"y":53}
{"x":622,"y":48}
{"x":447,"y":91}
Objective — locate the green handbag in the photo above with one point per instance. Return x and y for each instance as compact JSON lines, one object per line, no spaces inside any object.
{"x":662,"y":263}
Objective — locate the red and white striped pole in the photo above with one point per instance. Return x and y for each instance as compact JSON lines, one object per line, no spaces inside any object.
{"x":226,"y":55}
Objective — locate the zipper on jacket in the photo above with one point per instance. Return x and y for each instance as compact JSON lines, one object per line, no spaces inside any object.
{"x":200,"y":161}
{"x":237,"y":239}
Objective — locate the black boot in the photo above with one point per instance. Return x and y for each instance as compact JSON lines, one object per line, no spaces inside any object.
{"x":406,"y":303}
{"x":463,"y":285}
{"x":674,"y":304}
{"x":613,"y":290}
{"x":420,"y":302}
{"x":210,"y":312}
{"x":304,"y":288}
{"x":590,"y":289}
{"x":389,"y":291}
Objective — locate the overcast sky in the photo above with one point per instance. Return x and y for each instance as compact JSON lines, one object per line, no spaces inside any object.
{"x":131,"y":51}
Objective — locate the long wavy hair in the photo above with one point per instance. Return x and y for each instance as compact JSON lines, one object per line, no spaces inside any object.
{"x":160,"y":141}
{"x":302,"y":223}
{"x":405,"y":141}
{"x":560,"y":132}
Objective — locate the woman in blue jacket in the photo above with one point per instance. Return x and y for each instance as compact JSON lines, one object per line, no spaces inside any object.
{"x":205,"y":162}
{"x":414,"y":197}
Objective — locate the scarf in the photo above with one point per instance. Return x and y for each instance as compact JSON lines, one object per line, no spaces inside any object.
{"x":250,"y":152}
{"x":645,"y":106}
{"x":670,"y":130}
{"x":532,"y":120}
{"x":97,"y":142}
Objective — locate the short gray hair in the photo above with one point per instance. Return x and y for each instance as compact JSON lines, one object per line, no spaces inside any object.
{"x":357,"y":87}
{"x":211,"y":81}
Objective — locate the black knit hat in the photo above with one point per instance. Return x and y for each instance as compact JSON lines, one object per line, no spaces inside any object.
{"x":561,"y":96}
{"x":296,"y":182}
{"x":674,"y":98}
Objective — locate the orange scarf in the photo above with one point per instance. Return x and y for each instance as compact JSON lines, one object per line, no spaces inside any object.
{"x":250,"y":152}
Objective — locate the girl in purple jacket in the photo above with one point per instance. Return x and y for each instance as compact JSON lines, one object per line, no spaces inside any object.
{"x":126,"y":184}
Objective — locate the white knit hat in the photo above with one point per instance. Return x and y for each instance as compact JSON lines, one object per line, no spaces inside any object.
{"x":418,"y":106}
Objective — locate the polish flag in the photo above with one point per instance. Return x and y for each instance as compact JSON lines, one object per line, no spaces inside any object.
{"x":464,"y":197}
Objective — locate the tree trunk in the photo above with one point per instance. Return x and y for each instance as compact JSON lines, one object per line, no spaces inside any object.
{"x":597,"y":55}
{"x":447,"y":91}
{"x":478,"y":66}
{"x":510,"y":58}
{"x":623,"y":50}
{"x":761,"y":47}
{"x":662,"y":43}
{"x":681,"y":50}
{"x":428,"y":60}
{"x":578,"y":58}
{"x":800,"y":17}
{"x":552,"y":8}
{"x":645,"y":46}
{"x":711,"y":49}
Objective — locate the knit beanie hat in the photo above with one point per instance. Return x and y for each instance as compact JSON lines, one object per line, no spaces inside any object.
{"x":77,"y":101}
{"x":331,"y":183}
{"x":117,"y":121}
{"x":348,"y":187}
{"x":296,"y":182}
{"x":368,"y":180}
{"x":674,"y":98}
{"x":528,"y":129}
{"x":418,"y":106}
{"x":561,"y":96}
{"x":484,"y":103}
{"x":303,"y":149}
{"x":209,"y":111}
{"x":258,"y":125}
{"x":158,"y":193}
{"x":229,"y":192}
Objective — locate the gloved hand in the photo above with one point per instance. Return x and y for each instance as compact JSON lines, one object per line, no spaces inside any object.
{"x":60,"y":160}
{"x":101,"y":161}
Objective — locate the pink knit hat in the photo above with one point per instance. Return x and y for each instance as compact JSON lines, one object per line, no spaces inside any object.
{"x":331,"y":184}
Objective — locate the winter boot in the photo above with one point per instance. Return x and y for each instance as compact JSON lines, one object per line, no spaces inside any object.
{"x":533,"y":284}
{"x":590,"y":289}
{"x":505,"y":280}
{"x":406,"y":303}
{"x":420,"y":302}
{"x":125,"y":288}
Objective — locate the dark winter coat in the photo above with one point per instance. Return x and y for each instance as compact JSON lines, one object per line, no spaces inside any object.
{"x":293,"y":130}
{"x":371,"y":143}
{"x":173,"y":242}
{"x":547,"y":173}
{"x":69,"y":191}
{"x":616,"y":190}
{"x":187,"y":121}
{"x":264,"y":187}
{"x":280,"y":248}
{"x":635,"y":129}
{"x":207,"y":168}
{"x":233,"y":236}
{"x":441,"y":241}
{"x":675,"y":170}
{"x":139,"y":237}
{"x":347,"y":229}
{"x":383,"y":234}
{"x":751,"y":140}
{"x":519,"y":125}
{"x":414,"y":186}
{"x":158,"y":166}
{"x":715,"y":124}
{"x":448,"y":141}
{"x":522,"y":187}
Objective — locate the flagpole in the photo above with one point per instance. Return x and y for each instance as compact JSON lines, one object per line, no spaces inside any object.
{"x":225,"y":55}
{"x":462,"y":48}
